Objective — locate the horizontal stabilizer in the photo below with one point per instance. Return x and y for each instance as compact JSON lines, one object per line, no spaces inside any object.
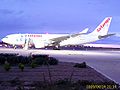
{"x":105,"y":36}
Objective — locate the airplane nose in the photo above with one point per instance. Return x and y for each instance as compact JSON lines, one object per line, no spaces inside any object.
{"x":3,"y":40}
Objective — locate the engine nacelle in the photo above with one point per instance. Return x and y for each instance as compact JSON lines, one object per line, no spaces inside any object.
{"x":38,"y":43}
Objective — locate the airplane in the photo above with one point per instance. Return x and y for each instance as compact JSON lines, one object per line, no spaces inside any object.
{"x":38,"y":40}
{"x":42,"y":40}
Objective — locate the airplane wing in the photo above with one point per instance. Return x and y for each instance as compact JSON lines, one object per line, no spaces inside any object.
{"x":57,"y":40}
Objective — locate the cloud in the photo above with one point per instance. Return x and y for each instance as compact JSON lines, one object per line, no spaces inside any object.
{"x":20,"y":12}
{"x":116,"y":19}
{"x":6,"y":11}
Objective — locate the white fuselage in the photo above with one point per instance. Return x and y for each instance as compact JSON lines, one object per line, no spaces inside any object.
{"x":42,"y":40}
{"x":19,"y":39}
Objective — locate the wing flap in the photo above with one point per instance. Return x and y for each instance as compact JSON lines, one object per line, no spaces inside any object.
{"x":59,"y":39}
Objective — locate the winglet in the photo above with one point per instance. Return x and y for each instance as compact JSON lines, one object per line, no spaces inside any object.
{"x":84,"y":31}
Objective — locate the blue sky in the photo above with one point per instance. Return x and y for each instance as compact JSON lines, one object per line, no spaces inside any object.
{"x":56,"y":16}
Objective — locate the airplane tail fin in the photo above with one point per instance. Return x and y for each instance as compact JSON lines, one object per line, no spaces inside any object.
{"x":102,"y":29}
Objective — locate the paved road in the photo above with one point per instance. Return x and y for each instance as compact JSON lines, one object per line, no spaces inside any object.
{"x":106,"y":62}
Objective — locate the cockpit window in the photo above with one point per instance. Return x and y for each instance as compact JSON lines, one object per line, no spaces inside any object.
{"x":21,"y":35}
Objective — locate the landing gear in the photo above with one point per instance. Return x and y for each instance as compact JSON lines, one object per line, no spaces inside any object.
{"x":56,"y":47}
{"x":14,"y":46}
{"x":26,"y":45}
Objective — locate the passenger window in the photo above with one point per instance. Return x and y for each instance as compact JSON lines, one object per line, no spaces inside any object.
{"x":17,"y":40}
